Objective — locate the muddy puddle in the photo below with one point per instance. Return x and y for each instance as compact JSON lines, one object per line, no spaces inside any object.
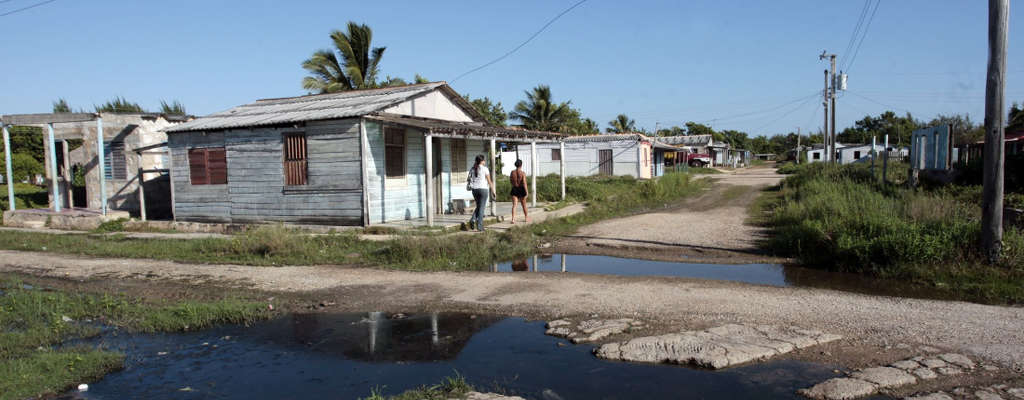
{"x":344,"y":356}
{"x":759,"y":274}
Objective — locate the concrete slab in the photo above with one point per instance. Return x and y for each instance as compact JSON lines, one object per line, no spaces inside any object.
{"x":716,"y":348}
{"x":885,"y":377}
{"x":839,"y":389}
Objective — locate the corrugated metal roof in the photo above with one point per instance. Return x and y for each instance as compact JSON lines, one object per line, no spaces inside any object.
{"x":464,"y":128}
{"x":309,"y":108}
{"x":657,"y":143}
{"x":690,"y":140}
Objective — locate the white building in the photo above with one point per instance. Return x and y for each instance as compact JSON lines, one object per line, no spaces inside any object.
{"x":631,"y":154}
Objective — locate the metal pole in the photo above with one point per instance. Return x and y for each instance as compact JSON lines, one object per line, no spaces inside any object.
{"x":101,"y":164}
{"x":10,"y":176}
{"x":826,"y":137}
{"x":832,"y":94}
{"x":494,"y":166}
{"x":873,"y":141}
{"x":533,"y":173}
{"x":563,"y":262}
{"x":53,"y":167}
{"x":429,"y":203}
{"x":885,"y":161}
{"x":561,"y":167}
{"x":992,"y":175}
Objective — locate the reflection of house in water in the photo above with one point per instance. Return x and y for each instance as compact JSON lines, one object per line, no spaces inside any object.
{"x":377,"y":337}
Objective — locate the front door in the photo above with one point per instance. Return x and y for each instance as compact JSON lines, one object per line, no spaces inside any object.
{"x":604,"y":162}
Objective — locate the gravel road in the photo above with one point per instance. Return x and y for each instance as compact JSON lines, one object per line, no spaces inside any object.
{"x":993,"y":332}
{"x":709,"y":228}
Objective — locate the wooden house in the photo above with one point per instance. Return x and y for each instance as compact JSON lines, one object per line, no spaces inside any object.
{"x":358,"y":157}
{"x":631,"y":154}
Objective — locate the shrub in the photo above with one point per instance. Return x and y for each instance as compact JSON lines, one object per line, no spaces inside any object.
{"x":23,"y":167}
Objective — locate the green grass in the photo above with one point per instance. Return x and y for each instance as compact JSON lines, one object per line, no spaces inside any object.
{"x":842,"y":218}
{"x":453,"y":387}
{"x":25,"y":196}
{"x":279,"y":245}
{"x":34,"y":321}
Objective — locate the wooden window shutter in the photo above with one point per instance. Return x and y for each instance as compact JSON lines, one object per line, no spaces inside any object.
{"x":217,"y":165}
{"x":295,"y":161}
{"x":459,"y":166}
{"x":197,"y":166}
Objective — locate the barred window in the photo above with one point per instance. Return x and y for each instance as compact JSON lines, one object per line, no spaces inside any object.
{"x":295,"y":164}
{"x":114,"y":165}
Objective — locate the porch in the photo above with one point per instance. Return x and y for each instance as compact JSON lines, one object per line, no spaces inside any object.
{"x":441,"y":200}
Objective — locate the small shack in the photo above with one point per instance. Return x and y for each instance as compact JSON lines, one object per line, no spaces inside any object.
{"x":357,"y":157}
{"x":131,"y":153}
{"x":932,"y":148}
{"x":630,"y":154}
{"x":686,"y":144}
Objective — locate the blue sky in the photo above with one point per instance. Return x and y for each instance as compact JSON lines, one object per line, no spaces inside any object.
{"x":663,"y":62}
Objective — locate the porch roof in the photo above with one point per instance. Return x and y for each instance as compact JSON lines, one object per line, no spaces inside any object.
{"x":469,"y":130}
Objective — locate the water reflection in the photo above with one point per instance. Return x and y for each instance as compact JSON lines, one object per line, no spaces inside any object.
{"x":379,"y":336}
{"x":343,"y":356}
{"x":765,"y":274}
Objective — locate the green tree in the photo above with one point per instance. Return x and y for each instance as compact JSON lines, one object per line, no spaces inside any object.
{"x":540,"y":112}
{"x":577,"y":125}
{"x":621,"y":124}
{"x":355,"y":66}
{"x":26,"y":140}
{"x":173,"y":108}
{"x":1016,"y":117}
{"x":693,"y":128}
{"x":61,"y":106}
{"x":493,"y":112}
{"x":120,"y":105}
{"x":23,"y":166}
{"x":899,"y":129}
{"x":675,"y":130}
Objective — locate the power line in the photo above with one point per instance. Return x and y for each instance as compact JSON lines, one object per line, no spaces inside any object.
{"x":849,"y":64}
{"x":856,"y":28}
{"x":26,"y":8}
{"x":535,"y":34}
{"x":875,"y":101}
{"x":737,"y":116}
{"x":798,"y":107}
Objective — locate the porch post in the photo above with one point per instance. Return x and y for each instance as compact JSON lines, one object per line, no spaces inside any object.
{"x":363,"y":165}
{"x":52,"y":153}
{"x":7,"y":158}
{"x":428,"y":138}
{"x":142,"y":190}
{"x":561,"y":166}
{"x":533,"y":173}
{"x":494,"y":166}
{"x":101,"y":164}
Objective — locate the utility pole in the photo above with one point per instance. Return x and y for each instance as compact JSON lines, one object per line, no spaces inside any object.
{"x":992,"y":170}
{"x":825,"y":136}
{"x":798,"y":149}
{"x":830,"y":97}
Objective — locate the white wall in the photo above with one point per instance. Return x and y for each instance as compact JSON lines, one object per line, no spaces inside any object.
{"x":581,"y":158}
{"x":431,"y":105}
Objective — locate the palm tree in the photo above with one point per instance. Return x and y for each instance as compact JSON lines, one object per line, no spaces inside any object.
{"x":355,"y":69}
{"x":539,"y":112}
{"x":621,"y":124}
{"x":173,"y":108}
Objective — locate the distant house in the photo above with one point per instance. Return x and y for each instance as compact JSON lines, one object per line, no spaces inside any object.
{"x":1013,"y":142}
{"x":359,"y":157}
{"x":689,"y":144}
{"x":630,"y":154}
{"x":817,"y":152}
{"x":855,"y":153}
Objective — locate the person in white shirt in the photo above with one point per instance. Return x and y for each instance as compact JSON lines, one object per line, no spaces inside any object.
{"x":482,"y":186}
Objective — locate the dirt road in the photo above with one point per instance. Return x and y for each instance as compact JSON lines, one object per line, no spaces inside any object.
{"x":709,"y":228}
{"x":871,"y":324}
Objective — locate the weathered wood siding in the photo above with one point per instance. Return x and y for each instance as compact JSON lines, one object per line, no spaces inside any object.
{"x":256,"y":192}
{"x":581,"y":158}
{"x":395,"y":199}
